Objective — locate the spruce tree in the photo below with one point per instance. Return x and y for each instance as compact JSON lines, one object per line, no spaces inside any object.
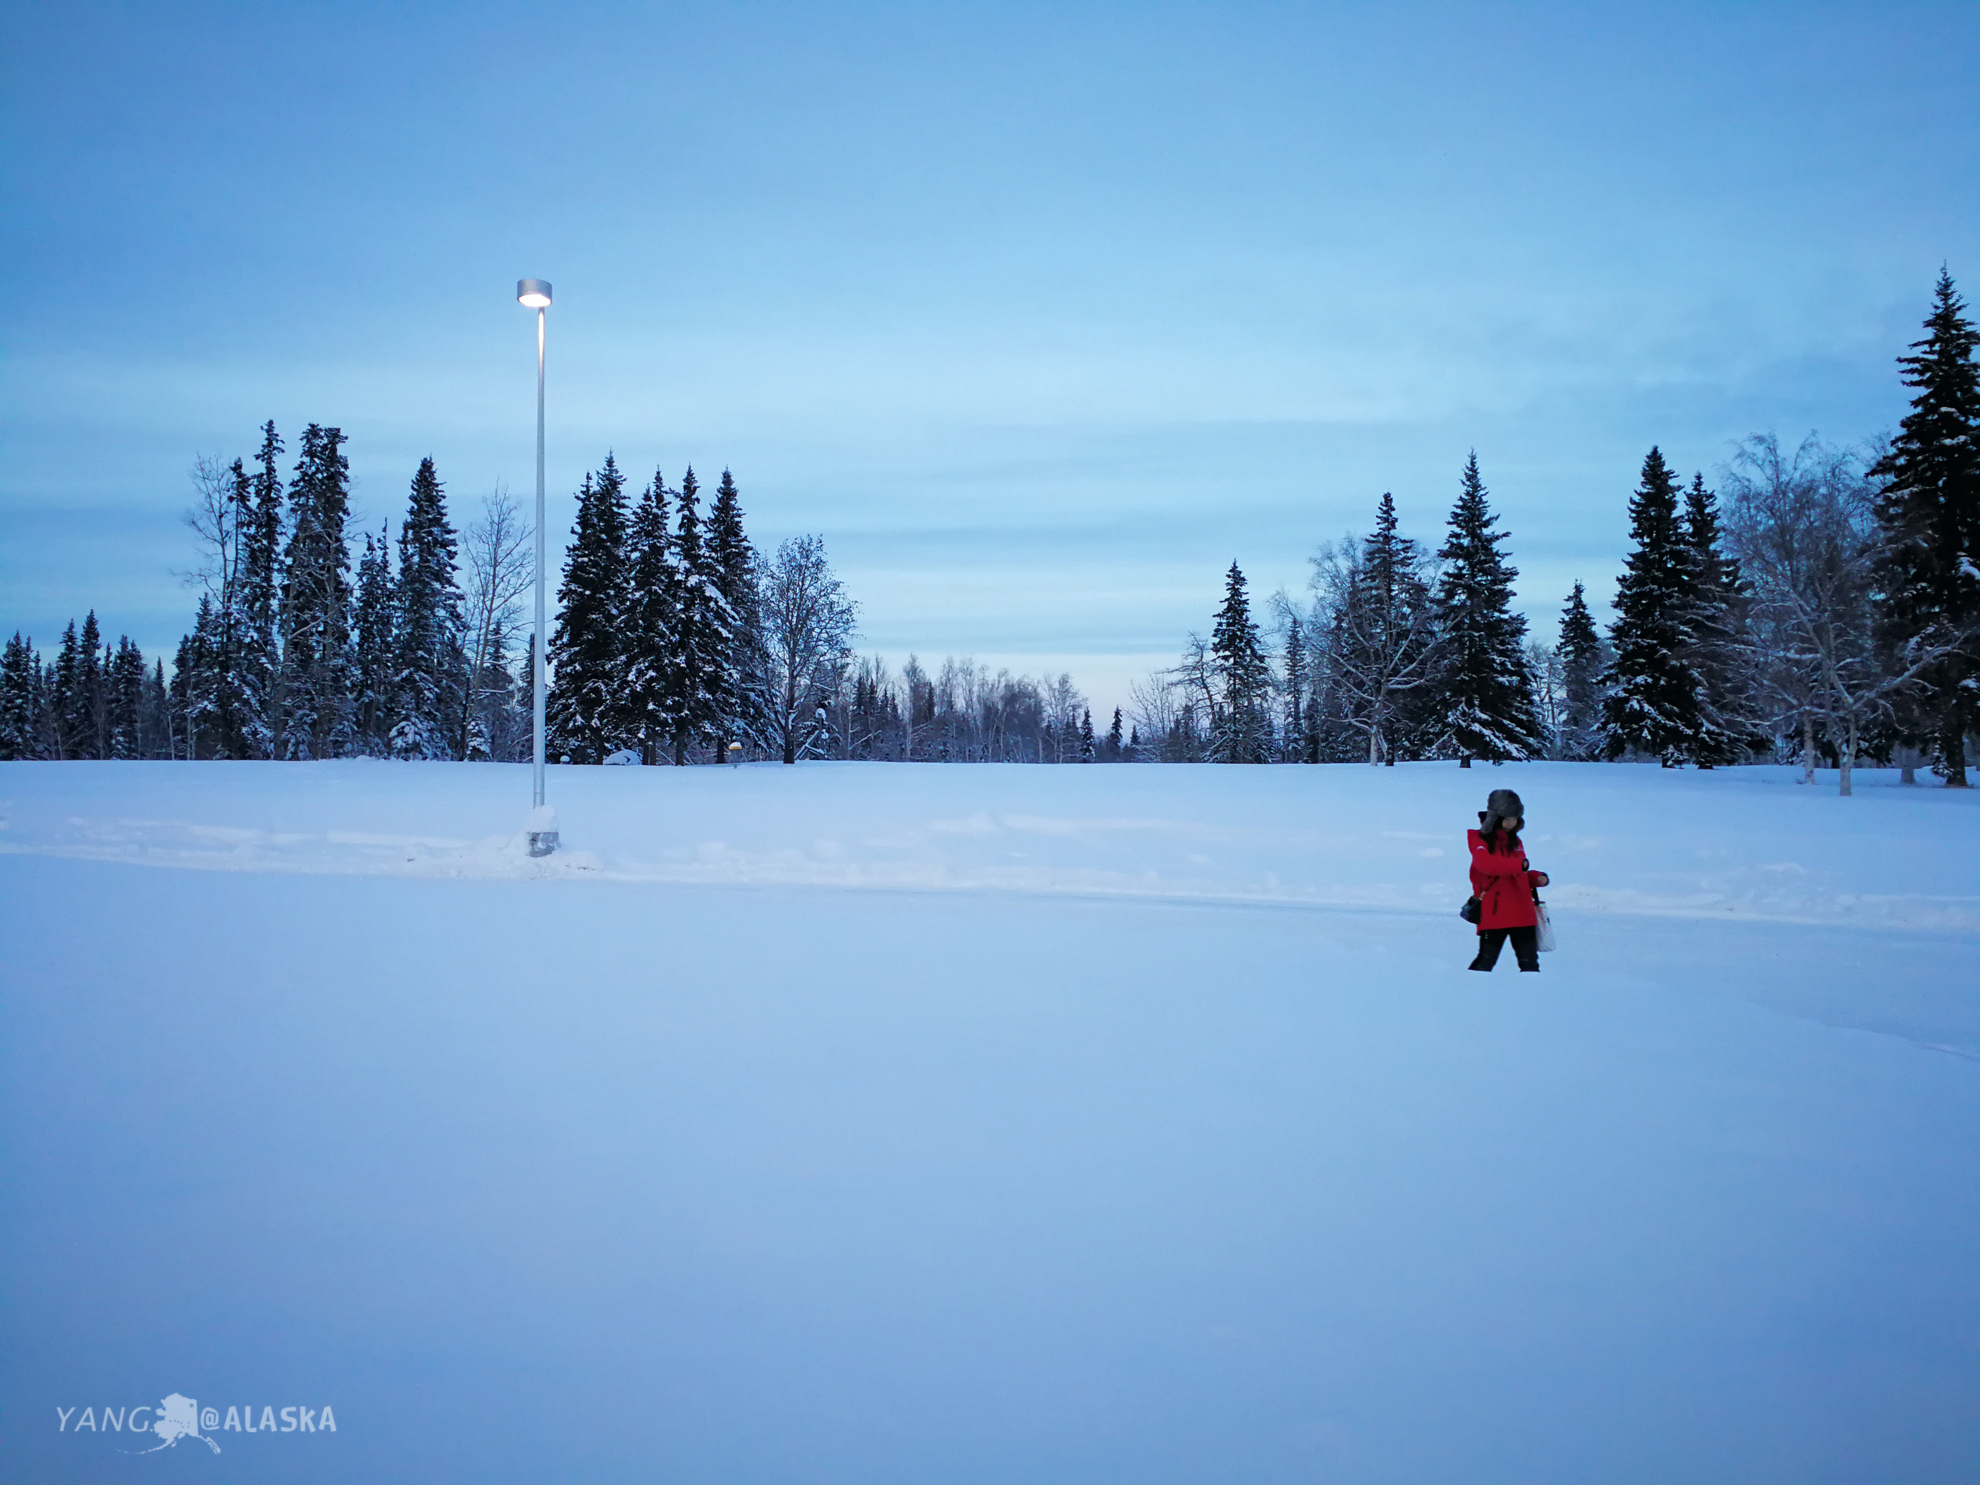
{"x":1726,"y":730}
{"x":1652,"y":705}
{"x":1086,"y":734}
{"x":194,"y":685}
{"x":1583,"y":657}
{"x":701,"y":637}
{"x":1241,"y":726}
{"x":85,"y":707}
{"x":744,"y":691}
{"x":260,"y":643}
{"x":648,"y":635}
{"x":229,"y":719}
{"x":1484,"y":689}
{"x":374,"y":647}
{"x":66,"y":696}
{"x":587,"y":697}
{"x":315,"y":620}
{"x":20,"y":700}
{"x":526,"y":706}
{"x":126,"y":688}
{"x":1114,"y":743}
{"x":430,"y":685}
{"x":48,"y":742}
{"x":1929,"y":511}
{"x":1292,"y":724}
{"x":155,"y":718}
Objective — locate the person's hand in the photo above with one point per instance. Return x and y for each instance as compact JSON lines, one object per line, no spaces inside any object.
{"x":1541,"y":879}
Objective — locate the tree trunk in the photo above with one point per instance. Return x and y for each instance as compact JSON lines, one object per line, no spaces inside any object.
{"x":1907,"y":766}
{"x":1847,"y":759}
{"x":1464,"y":760}
{"x":1807,"y":748}
{"x":1952,"y":742}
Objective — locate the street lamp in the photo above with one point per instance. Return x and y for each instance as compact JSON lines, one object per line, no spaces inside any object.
{"x":534,"y":293}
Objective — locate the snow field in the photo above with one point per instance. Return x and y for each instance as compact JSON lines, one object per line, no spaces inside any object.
{"x":614,"y":1177}
{"x":1746,"y":843}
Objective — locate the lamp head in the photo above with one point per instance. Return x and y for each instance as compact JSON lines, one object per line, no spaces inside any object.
{"x":533,"y":292}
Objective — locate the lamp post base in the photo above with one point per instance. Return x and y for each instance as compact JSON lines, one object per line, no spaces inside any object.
{"x":542,"y":842}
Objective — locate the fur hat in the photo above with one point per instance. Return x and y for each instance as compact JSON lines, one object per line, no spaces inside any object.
{"x":1500,"y":806}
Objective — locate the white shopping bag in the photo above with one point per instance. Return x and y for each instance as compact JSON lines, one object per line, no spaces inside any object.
{"x":1543,"y":928}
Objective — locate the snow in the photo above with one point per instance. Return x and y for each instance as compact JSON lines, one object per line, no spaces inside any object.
{"x":1748,"y":843}
{"x":895,"y":1123}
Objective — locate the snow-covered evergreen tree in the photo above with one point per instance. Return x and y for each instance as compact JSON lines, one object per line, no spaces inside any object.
{"x":1929,"y":510}
{"x":1484,"y":691}
{"x":155,"y":715}
{"x":126,"y":697}
{"x":195,"y":685}
{"x":83,"y":698}
{"x":315,"y":621}
{"x":1727,"y":732}
{"x":588,"y":674}
{"x":231,"y":661}
{"x":1652,"y":705}
{"x":66,"y":692}
{"x":744,"y":696}
{"x":20,"y":700}
{"x":1294,"y":672}
{"x":526,"y":703}
{"x":260,"y":642}
{"x":374,"y":648}
{"x":429,"y":691}
{"x":1583,"y":656}
{"x":647,"y":637}
{"x":1241,"y":717}
{"x":703,"y":637}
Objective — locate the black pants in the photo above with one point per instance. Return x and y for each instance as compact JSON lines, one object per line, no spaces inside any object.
{"x":1525,"y":947}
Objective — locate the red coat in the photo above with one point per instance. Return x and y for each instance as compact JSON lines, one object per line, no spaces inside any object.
{"x":1503,"y":883}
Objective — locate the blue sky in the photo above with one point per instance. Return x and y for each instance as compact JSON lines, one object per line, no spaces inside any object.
{"x":1040,"y":315}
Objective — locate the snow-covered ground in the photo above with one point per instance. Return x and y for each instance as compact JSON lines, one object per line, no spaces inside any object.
{"x":1738,"y":844}
{"x":891,"y":1123}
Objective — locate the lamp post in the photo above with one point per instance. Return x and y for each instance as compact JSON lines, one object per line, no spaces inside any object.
{"x":534,"y":293}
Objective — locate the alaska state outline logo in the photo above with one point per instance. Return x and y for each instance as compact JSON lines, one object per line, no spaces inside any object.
{"x":179,"y":1417}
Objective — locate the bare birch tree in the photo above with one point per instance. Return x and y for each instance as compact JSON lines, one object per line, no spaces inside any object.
{"x":221,"y":505}
{"x":1805,"y":529}
{"x":1373,"y":626}
{"x":499,"y":552}
{"x":808,"y":624}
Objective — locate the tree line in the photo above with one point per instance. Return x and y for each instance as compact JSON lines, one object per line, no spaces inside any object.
{"x":673,"y":638}
{"x":297,"y":650}
{"x":1824,"y":603}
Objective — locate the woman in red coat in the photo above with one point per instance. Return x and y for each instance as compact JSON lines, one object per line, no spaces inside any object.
{"x":1503,"y":883}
